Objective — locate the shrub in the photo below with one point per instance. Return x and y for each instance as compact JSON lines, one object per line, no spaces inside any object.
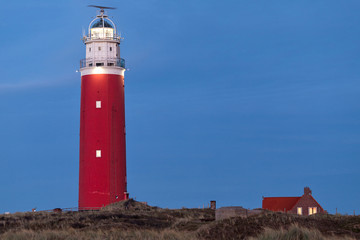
{"x":294,"y":233}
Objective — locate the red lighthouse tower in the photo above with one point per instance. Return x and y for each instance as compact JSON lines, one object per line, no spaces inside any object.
{"x":102,"y":177}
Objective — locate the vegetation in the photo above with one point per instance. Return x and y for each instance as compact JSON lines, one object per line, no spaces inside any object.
{"x":295,"y":232}
{"x":134,"y":220}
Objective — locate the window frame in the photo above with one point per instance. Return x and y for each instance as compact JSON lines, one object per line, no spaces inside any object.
{"x":98,"y":153}
{"x":299,"y":211}
{"x":312,"y":210}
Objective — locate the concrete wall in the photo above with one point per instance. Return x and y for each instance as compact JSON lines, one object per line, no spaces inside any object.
{"x":228,"y":212}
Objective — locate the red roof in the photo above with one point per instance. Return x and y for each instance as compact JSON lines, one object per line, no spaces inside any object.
{"x":279,"y":203}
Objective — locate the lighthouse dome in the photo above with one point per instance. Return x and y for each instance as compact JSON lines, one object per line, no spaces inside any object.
{"x":101,"y":22}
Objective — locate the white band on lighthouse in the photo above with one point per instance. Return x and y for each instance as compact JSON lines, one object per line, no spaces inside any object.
{"x":102,"y":70}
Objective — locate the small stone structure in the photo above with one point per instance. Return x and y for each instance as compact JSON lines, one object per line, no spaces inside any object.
{"x":228,"y":212}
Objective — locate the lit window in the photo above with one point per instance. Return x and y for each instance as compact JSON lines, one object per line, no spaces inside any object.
{"x":312,"y":210}
{"x":98,"y":104}
{"x":98,"y":153}
{"x":102,"y":33}
{"x":299,"y":210}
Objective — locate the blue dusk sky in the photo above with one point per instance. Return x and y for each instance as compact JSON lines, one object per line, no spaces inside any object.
{"x":225,"y":100}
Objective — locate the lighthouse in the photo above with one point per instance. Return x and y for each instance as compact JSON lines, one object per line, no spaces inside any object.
{"x":102,"y":169}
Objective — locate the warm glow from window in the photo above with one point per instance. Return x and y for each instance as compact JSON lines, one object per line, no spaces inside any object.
{"x":102,"y":33}
{"x":299,"y":210}
{"x":98,"y":153}
{"x":98,"y":104}
{"x":312,"y":210}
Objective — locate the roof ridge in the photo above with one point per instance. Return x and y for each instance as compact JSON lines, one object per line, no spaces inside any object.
{"x":284,"y":197}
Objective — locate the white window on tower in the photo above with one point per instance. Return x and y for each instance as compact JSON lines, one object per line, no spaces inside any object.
{"x":98,"y":153}
{"x":299,"y":210}
{"x":98,"y":104}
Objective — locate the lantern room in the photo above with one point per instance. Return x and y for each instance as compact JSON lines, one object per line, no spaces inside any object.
{"x":102,"y":28}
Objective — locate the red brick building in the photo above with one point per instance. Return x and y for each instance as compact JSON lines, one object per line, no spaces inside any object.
{"x":304,"y":205}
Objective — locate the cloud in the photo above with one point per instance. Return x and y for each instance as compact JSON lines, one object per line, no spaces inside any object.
{"x":35,"y":84}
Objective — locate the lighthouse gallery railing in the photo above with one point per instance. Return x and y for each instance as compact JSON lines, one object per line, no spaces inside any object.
{"x":114,"y":62}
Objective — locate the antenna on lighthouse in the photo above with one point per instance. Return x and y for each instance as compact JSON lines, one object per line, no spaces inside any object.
{"x":102,"y":11}
{"x":101,"y":7}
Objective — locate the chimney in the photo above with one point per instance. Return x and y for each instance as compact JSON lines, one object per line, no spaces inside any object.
{"x":213,"y":205}
{"x":307,"y":191}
